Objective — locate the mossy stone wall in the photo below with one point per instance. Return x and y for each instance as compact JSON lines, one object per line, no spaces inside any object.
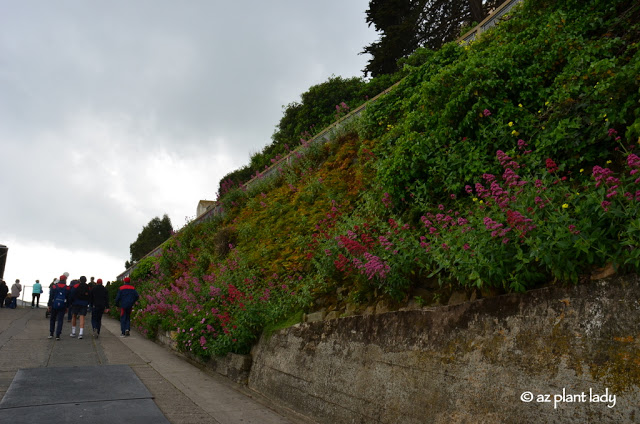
{"x":473,"y":362}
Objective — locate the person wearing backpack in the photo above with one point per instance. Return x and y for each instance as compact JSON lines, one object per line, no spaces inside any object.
{"x":16,"y":288}
{"x":125,"y":299}
{"x":79,"y":304}
{"x":58,"y":303}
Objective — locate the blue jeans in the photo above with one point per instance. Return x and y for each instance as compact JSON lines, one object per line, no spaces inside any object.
{"x":14,"y":303}
{"x":125,"y":319}
{"x":57,"y":315}
{"x":96,"y":317}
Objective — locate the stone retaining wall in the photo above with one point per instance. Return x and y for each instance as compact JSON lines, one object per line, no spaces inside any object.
{"x":472,"y":362}
{"x":233,"y":366}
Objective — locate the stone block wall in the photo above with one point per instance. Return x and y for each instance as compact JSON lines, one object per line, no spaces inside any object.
{"x":541,"y":356}
{"x":233,"y":366}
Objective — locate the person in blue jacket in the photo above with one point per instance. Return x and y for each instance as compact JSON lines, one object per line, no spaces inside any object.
{"x":125,"y":299}
{"x":35,"y":295}
{"x":58,"y":303}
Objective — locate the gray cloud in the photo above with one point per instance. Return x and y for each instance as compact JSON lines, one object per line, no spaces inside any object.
{"x":112,"y":113}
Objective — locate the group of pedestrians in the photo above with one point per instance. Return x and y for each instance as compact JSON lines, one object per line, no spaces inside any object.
{"x":9,"y":298}
{"x":78,"y":297}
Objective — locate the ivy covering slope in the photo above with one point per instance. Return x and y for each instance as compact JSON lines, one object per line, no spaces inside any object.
{"x":502,"y":165}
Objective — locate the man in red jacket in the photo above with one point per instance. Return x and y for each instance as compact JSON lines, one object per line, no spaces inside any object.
{"x":125,"y":299}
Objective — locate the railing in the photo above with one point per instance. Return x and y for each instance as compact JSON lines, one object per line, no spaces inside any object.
{"x":326,"y":134}
{"x":488,"y":22}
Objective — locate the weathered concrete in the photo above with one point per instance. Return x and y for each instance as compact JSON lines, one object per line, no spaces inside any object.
{"x":472,"y":362}
{"x":183,"y":393}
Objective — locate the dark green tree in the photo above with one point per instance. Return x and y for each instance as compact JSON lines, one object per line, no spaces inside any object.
{"x":317,"y":108}
{"x":152,"y":235}
{"x":396,"y":21}
{"x":405,"y":25}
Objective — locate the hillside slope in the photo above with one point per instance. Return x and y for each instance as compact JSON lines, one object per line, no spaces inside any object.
{"x":498,"y":166}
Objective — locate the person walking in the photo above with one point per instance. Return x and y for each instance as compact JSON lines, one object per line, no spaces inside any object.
{"x":57,"y":305}
{"x":125,"y":299}
{"x":69,"y":287}
{"x":99,"y":301}
{"x":79,"y":303}
{"x":35,"y":295}
{"x":16,"y":288}
{"x":4,"y":289}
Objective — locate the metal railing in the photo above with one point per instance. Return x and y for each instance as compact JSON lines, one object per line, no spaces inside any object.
{"x":488,"y":22}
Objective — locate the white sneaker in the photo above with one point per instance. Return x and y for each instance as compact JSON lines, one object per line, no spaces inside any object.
{"x":80,"y":336}
{"x":50,"y":336}
{"x":73,"y":334}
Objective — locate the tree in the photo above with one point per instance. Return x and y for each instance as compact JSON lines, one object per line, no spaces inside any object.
{"x":317,"y":109}
{"x":396,"y":20}
{"x":406,"y":25}
{"x":152,"y":235}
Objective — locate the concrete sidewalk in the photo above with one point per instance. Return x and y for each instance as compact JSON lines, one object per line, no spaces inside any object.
{"x":184,"y":393}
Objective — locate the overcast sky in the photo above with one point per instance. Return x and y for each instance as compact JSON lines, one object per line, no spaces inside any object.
{"x":113,"y":113}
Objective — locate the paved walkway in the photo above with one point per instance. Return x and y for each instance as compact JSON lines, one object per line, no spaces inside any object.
{"x":184,"y":393}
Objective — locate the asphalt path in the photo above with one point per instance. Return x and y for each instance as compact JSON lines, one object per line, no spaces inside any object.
{"x":107,"y":378}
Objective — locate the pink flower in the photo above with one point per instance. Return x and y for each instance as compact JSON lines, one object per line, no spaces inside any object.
{"x":633,"y":161}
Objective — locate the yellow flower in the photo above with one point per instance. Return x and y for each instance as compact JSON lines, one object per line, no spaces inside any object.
{"x":546,"y":103}
{"x":481,"y":202}
{"x":519,"y":104}
{"x":514,"y":132}
{"x":581,"y":169}
{"x":540,"y":111}
{"x":565,"y":206}
{"x":475,"y":199}
{"x":608,"y":162}
{"x":510,"y":124}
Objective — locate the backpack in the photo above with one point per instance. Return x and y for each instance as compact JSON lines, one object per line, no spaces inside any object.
{"x":82,"y":292}
{"x":59,"y":298}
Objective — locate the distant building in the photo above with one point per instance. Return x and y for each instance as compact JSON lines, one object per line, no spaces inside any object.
{"x":204,"y":206}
